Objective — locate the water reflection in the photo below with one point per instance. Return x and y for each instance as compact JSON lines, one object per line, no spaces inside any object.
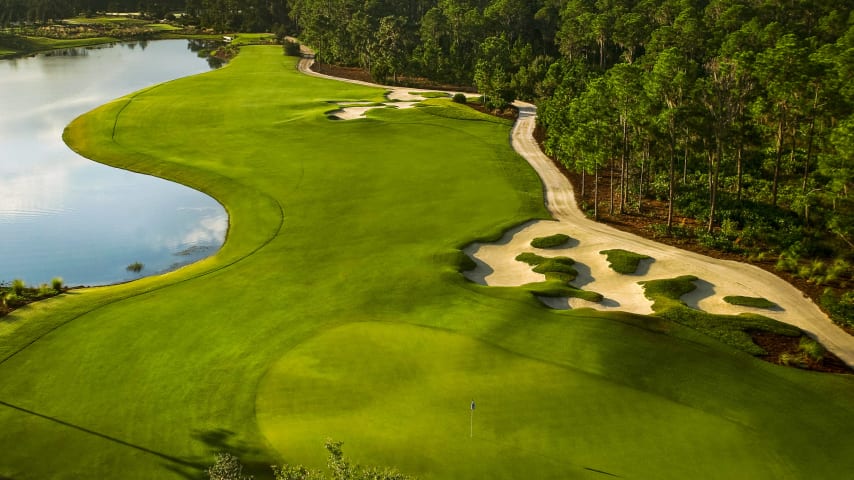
{"x":63,"y":215}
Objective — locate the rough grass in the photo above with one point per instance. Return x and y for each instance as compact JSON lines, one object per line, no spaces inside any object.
{"x":551,"y":241}
{"x":444,"y":107}
{"x":733,"y":330}
{"x":431,"y":94}
{"x":623,"y":261}
{"x":375,"y":339}
{"x":755,"y":302}
{"x":559,"y":272}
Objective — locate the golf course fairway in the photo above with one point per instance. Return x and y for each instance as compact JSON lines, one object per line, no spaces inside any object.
{"x":336,"y":309}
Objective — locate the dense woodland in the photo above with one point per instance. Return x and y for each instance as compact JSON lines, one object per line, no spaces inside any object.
{"x":736,"y":114}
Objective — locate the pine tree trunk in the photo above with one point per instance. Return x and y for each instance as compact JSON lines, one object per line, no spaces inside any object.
{"x":672,"y":190}
{"x":596,"y":192}
{"x":777,"y":160}
{"x":611,"y":187}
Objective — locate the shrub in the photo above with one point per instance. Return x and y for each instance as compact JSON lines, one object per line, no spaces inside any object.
{"x":530,"y":258}
{"x":14,"y":300}
{"x":792,"y":360}
{"x":227,"y":467}
{"x":839,"y":306}
{"x":291,"y":48}
{"x":56,"y":283}
{"x":18,"y":286}
{"x":756,"y":302}
{"x":812,"y":348}
{"x":46,"y":291}
{"x":551,"y":241}
{"x":623,"y":261}
{"x":459,"y":98}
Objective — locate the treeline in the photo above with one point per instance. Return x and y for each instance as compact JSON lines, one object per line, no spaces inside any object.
{"x":735,"y":114}
{"x":220,"y":15}
{"x":43,"y":11}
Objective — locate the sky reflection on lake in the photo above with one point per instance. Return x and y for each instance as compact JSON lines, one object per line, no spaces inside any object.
{"x":63,"y":215}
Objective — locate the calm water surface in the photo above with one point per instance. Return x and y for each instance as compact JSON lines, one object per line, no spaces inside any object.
{"x":63,"y":215}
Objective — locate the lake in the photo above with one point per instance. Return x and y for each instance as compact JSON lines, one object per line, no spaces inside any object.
{"x":62,"y":215}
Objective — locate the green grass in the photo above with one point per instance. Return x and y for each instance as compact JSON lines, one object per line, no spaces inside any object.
{"x":559,"y":271}
{"x":755,"y":302}
{"x":336,"y":309}
{"x":444,"y":107}
{"x":431,"y":94}
{"x":551,"y":241}
{"x":732,"y":330}
{"x":623,"y":261}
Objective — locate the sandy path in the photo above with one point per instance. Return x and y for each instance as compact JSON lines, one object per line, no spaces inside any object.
{"x":717,"y":278}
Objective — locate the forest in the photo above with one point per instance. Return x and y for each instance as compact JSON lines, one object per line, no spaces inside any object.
{"x":732,"y":117}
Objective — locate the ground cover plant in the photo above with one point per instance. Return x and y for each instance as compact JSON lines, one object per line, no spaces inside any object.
{"x":731,"y":329}
{"x":755,"y":302}
{"x":624,"y":261}
{"x":285,"y":338}
{"x":551,"y":241}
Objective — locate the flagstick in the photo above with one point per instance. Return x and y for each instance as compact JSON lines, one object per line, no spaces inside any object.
{"x":471,"y":421}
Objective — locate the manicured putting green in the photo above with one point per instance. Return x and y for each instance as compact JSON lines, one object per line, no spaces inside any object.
{"x":400,"y":395}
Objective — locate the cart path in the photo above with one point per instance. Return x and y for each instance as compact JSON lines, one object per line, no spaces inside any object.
{"x":717,"y":278}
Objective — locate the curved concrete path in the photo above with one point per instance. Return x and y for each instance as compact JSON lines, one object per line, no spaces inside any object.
{"x":717,"y":278}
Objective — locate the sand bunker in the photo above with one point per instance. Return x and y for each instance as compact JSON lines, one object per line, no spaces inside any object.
{"x":497,"y":264}
{"x":353,"y":110}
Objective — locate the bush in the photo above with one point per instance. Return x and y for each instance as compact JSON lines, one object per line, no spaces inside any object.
{"x":756,"y":302}
{"x":291,"y":48}
{"x":459,"y":98}
{"x":839,"y":306}
{"x":135,"y":267}
{"x":623,"y":261}
{"x":812,"y":348}
{"x":551,"y":241}
{"x":56,"y":283}
{"x":14,"y":300}
{"x":792,"y":360}
{"x":18,"y":286}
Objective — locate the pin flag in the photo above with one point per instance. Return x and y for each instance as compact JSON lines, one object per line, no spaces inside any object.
{"x":471,"y":421}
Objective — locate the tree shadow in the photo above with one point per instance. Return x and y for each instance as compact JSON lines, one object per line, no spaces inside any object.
{"x":584,"y":277}
{"x":482,"y":270}
{"x":704,"y":290}
{"x":643,"y":267}
{"x":221,"y":440}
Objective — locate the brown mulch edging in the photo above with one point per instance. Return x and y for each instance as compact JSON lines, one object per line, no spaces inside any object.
{"x":777,"y":345}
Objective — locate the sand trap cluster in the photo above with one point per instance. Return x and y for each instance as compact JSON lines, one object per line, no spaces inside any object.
{"x":353,"y":110}
{"x":497,"y":264}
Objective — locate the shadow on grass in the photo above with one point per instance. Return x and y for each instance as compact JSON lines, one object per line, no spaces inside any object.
{"x":173,"y":463}
{"x":222,"y":440}
{"x":584,"y":277}
{"x":479,"y":273}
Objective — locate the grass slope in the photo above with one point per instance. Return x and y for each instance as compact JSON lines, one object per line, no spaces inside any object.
{"x":339,"y":277}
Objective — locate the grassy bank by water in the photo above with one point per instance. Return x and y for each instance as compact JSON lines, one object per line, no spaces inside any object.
{"x":335,"y":309}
